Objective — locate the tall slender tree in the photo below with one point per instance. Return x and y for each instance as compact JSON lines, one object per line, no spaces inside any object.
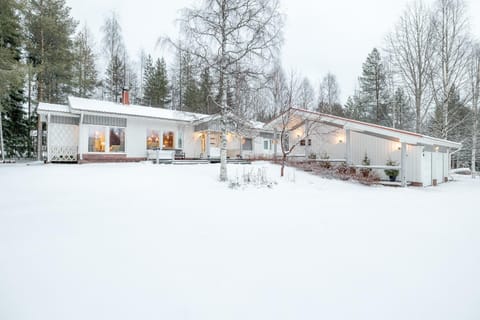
{"x":226,"y":34}
{"x":411,"y":46}
{"x":84,"y":70}
{"x":49,"y":32}
{"x":450,"y":27}
{"x":474,"y":87}
{"x":115,"y":53}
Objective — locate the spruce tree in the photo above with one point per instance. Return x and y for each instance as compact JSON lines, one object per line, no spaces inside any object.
{"x":156,"y":88}
{"x":14,"y":132}
{"x":374,"y":91}
{"x":114,"y":78}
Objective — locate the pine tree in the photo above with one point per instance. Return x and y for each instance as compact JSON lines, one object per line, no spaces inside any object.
{"x":50,"y":30}
{"x":84,"y":71}
{"x":374,"y":89}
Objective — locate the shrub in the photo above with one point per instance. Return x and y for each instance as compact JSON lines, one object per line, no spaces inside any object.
{"x":391,"y":172}
{"x":366,"y":162}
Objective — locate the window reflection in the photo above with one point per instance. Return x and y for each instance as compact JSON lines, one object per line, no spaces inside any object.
{"x":96,"y":139}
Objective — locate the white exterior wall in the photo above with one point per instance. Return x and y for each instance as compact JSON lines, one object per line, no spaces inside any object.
{"x":136,"y":136}
{"x":435,"y":165}
{"x":331,"y":141}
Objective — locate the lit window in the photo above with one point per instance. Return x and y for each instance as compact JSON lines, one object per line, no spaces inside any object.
{"x":153,"y":139}
{"x":168,"y":140}
{"x":96,"y":139}
{"x":302,"y":142}
{"x":247,"y":144}
{"x":117,"y":140}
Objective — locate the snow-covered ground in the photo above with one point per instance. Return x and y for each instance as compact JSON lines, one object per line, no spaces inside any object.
{"x":143,"y":241}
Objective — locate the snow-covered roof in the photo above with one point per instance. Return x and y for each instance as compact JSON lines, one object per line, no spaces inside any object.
{"x":49,"y":107}
{"x":98,"y":106}
{"x":251,"y":123}
{"x":369,"y":128}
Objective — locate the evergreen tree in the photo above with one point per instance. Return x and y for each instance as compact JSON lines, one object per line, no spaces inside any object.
{"x":50,"y":30}
{"x":205,"y":91}
{"x":114,"y":78}
{"x":16,"y":126}
{"x":404,"y":116}
{"x":84,"y":71}
{"x":374,"y":91}
{"x":156,"y":88}
{"x":115,"y":75}
{"x":14,"y":133}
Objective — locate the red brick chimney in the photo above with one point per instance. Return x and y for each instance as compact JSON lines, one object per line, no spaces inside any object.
{"x":125,"y":97}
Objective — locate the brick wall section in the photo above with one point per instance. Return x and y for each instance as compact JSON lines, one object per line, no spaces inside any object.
{"x":88,"y":158}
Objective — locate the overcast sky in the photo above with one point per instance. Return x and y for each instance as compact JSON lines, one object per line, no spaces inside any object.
{"x":320,"y":36}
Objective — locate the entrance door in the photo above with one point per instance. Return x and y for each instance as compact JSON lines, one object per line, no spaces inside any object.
{"x":427,"y":168}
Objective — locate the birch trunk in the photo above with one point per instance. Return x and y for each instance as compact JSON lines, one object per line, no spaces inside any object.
{"x":1,"y":139}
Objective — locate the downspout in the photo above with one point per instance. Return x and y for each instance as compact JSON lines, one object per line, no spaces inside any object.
{"x":49,"y":158}
{"x":80,"y":134}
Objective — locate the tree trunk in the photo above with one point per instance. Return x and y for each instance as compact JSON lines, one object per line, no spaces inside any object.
{"x":1,"y":139}
{"x":39,"y":138}
{"x":223,"y":94}
{"x":282,"y":169}
{"x":474,"y":137}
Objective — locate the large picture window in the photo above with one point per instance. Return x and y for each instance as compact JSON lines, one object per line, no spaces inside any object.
{"x":247,"y":144}
{"x":117,"y":140}
{"x":153,"y":139}
{"x":168,"y":139}
{"x":96,"y":139}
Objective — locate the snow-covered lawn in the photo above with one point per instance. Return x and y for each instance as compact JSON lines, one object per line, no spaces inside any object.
{"x":143,"y":241}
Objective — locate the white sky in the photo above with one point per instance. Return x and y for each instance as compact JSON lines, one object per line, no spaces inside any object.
{"x":320,"y":36}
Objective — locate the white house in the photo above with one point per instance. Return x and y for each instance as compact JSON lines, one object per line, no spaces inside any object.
{"x":94,"y":130}
{"x":422,"y":160}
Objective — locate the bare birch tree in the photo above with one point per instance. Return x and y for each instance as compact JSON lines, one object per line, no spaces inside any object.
{"x":226,"y":34}
{"x":411,"y":48}
{"x":451,"y":38}
{"x":328,"y":94}
{"x":474,"y":87}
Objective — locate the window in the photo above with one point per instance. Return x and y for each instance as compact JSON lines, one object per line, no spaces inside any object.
{"x":265,"y":144}
{"x":168,"y":140}
{"x":302,"y":142}
{"x":153,"y":139}
{"x":117,"y":140}
{"x":247,"y":144}
{"x":309,"y":142}
{"x":180,"y":141}
{"x":96,"y":139}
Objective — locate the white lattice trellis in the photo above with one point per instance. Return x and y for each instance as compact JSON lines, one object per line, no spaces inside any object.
{"x":63,"y":142}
